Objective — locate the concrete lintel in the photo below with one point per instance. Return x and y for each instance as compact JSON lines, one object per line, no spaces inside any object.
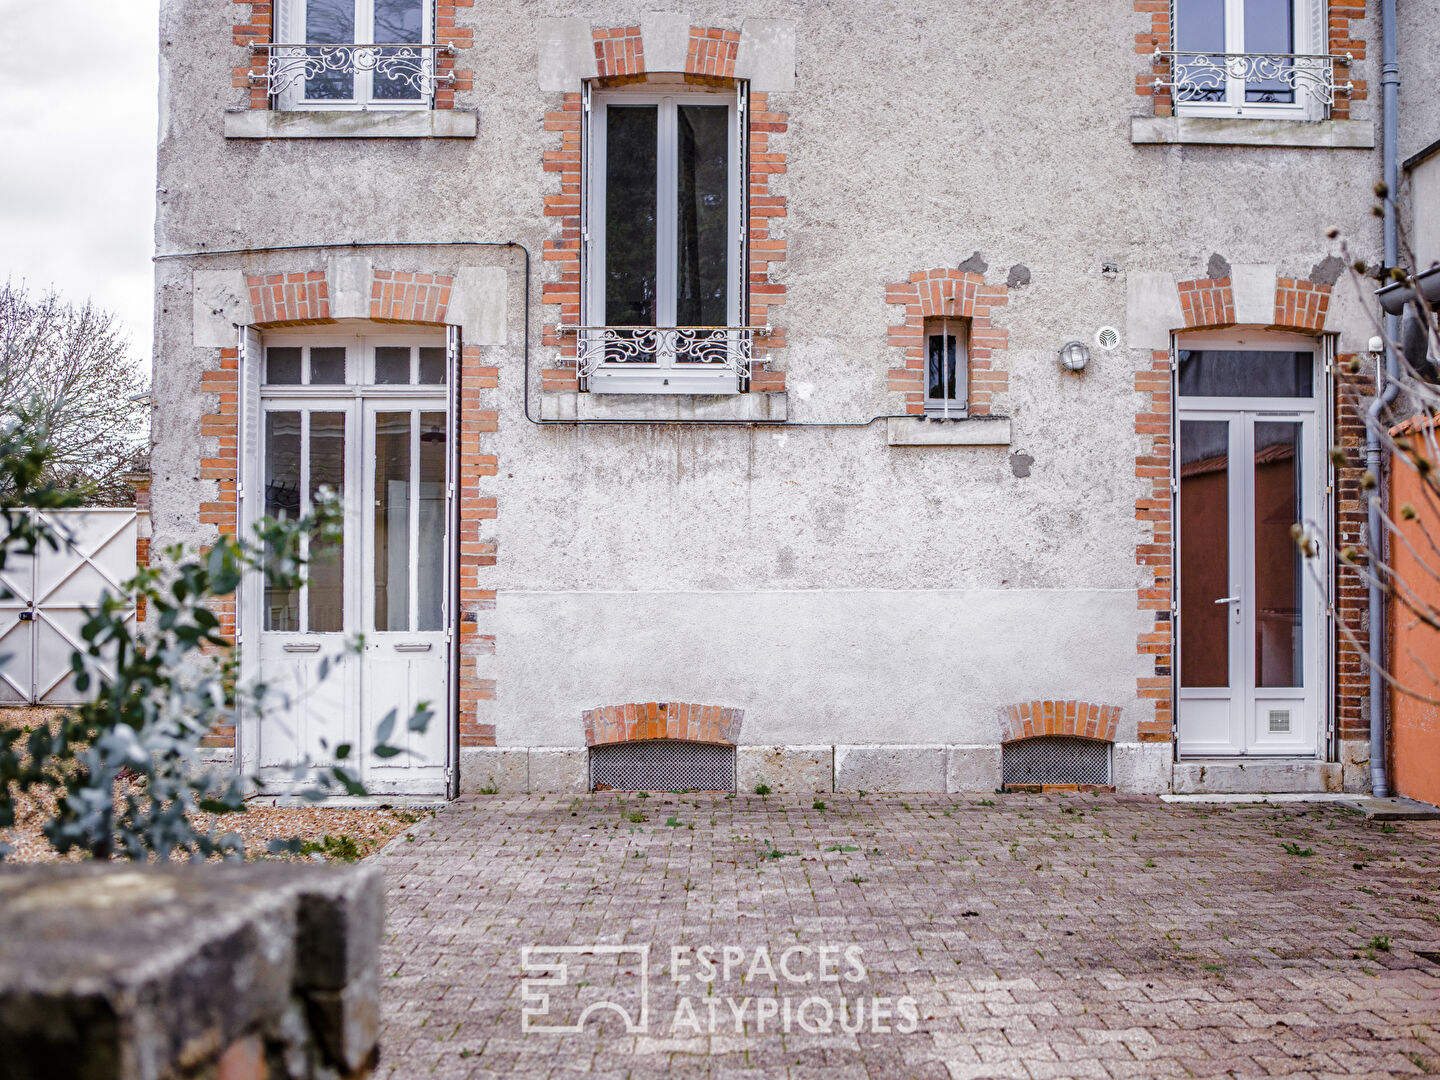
{"x":667,"y":41}
{"x":972,"y":431}
{"x":767,"y":54}
{"x":1253,"y":287}
{"x":478,"y":304}
{"x":1225,"y":131}
{"x":570,"y":405}
{"x":347,"y":281}
{"x":567,"y":54}
{"x":220,"y":301}
{"x":352,"y":124}
{"x":1152,"y":309}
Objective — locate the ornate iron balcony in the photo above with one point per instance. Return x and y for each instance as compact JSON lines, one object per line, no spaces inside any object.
{"x":1268,"y":77}
{"x":730,"y":347}
{"x":399,"y":65}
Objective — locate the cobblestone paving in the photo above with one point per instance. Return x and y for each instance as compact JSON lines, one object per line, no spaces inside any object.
{"x":1038,"y":936}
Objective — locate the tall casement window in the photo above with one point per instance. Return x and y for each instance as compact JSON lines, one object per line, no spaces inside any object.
{"x":664,"y":300}
{"x":947,"y":368}
{"x":1260,"y":58}
{"x":372,"y":54}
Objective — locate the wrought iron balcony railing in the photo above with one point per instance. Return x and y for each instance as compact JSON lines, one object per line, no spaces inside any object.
{"x":1269,"y":78}
{"x":398,"y":66}
{"x":728,"y":347}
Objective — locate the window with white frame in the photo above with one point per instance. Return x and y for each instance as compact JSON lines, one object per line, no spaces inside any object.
{"x":353,"y":54}
{"x":663,"y":303}
{"x":1255,"y":58}
{"x":947,"y":368}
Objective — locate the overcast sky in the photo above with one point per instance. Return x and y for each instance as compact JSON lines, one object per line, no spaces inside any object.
{"x":77,"y":152}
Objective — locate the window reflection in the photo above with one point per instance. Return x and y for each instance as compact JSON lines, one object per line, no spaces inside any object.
{"x":1278,"y":563}
{"x":282,"y":500}
{"x":1204,"y":552}
{"x":1246,"y":373}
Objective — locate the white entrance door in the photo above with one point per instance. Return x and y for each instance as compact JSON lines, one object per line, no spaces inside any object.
{"x":1250,"y":618}
{"x":405,"y":557}
{"x":368,"y":418}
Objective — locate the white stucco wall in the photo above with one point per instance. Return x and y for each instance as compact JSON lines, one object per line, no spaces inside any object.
{"x":835,"y":587}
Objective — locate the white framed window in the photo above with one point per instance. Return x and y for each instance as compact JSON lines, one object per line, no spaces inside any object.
{"x":353,"y":54}
{"x":664,"y":298}
{"x":1253,"y":58}
{"x":326,"y":363}
{"x":947,"y":368}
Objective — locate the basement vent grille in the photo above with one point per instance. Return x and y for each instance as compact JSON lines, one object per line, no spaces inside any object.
{"x":663,"y":765}
{"x":1052,"y":760}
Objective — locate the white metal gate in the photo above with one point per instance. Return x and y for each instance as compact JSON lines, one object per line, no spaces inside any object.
{"x":42,"y":609}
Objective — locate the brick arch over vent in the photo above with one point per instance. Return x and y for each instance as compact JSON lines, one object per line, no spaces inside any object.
{"x":642,"y":720}
{"x":1083,"y":719}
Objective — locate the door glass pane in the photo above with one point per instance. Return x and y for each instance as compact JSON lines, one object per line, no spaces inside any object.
{"x":329,"y":21}
{"x":631,"y":184}
{"x":392,"y":521}
{"x":1204,"y":553}
{"x":1269,"y":28}
{"x":395,"y":79}
{"x":432,"y":367}
{"x":1278,"y":564}
{"x":430,"y":564}
{"x":282,"y":500}
{"x":1200,"y":28}
{"x":327,"y":366}
{"x":702,"y":258}
{"x":392,"y":364}
{"x":326,"y":605}
{"x":282,"y":367}
{"x":1246,"y":373}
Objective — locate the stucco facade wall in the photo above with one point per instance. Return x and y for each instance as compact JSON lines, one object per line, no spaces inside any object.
{"x":837,"y":588}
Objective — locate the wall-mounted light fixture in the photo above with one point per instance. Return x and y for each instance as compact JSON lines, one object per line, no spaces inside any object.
{"x":1074,"y":355}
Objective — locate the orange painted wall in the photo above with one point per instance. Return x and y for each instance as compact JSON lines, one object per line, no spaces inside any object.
{"x":1414,"y":725}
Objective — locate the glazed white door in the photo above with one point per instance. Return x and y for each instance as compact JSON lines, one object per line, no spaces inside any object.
{"x":1250,"y":616}
{"x":368,"y":418}
{"x":405,"y":587}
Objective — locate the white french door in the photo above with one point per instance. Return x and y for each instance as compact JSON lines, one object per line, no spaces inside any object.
{"x":368,"y":418}
{"x":1250,"y":618}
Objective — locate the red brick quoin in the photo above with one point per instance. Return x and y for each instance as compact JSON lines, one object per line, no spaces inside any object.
{"x":1027,"y":719}
{"x":639,"y":721}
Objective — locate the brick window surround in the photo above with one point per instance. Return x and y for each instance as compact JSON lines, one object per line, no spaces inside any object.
{"x":932,"y":294}
{"x":710,"y":61}
{"x":1081,"y":719}
{"x":300,"y":298}
{"x":1300,"y":306}
{"x":1154,"y":37}
{"x":639,"y":721}
{"x":255,"y":26}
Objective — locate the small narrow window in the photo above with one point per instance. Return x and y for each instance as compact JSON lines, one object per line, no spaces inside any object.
{"x":947,"y":368}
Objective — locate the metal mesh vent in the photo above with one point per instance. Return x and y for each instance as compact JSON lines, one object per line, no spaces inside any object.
{"x":1052,"y":760}
{"x":663,"y":765}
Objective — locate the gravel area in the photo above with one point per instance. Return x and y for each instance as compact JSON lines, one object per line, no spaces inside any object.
{"x":329,"y":833}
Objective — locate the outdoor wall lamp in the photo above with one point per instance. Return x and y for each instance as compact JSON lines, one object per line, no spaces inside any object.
{"x":1074,"y":355}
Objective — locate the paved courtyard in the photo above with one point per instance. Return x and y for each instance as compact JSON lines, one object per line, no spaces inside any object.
{"x":924,"y":936}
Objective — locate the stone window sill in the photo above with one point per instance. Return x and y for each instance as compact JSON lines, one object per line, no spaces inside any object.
{"x":351,"y":124}
{"x":570,"y":405}
{"x":972,"y":431}
{"x":1225,"y":131}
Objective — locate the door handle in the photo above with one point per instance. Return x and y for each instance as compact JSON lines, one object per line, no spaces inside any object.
{"x":1228,"y":600}
{"x":412,"y":646}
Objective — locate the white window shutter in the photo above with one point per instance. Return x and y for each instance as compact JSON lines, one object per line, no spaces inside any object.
{"x":287,"y":26}
{"x":249,"y":505}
